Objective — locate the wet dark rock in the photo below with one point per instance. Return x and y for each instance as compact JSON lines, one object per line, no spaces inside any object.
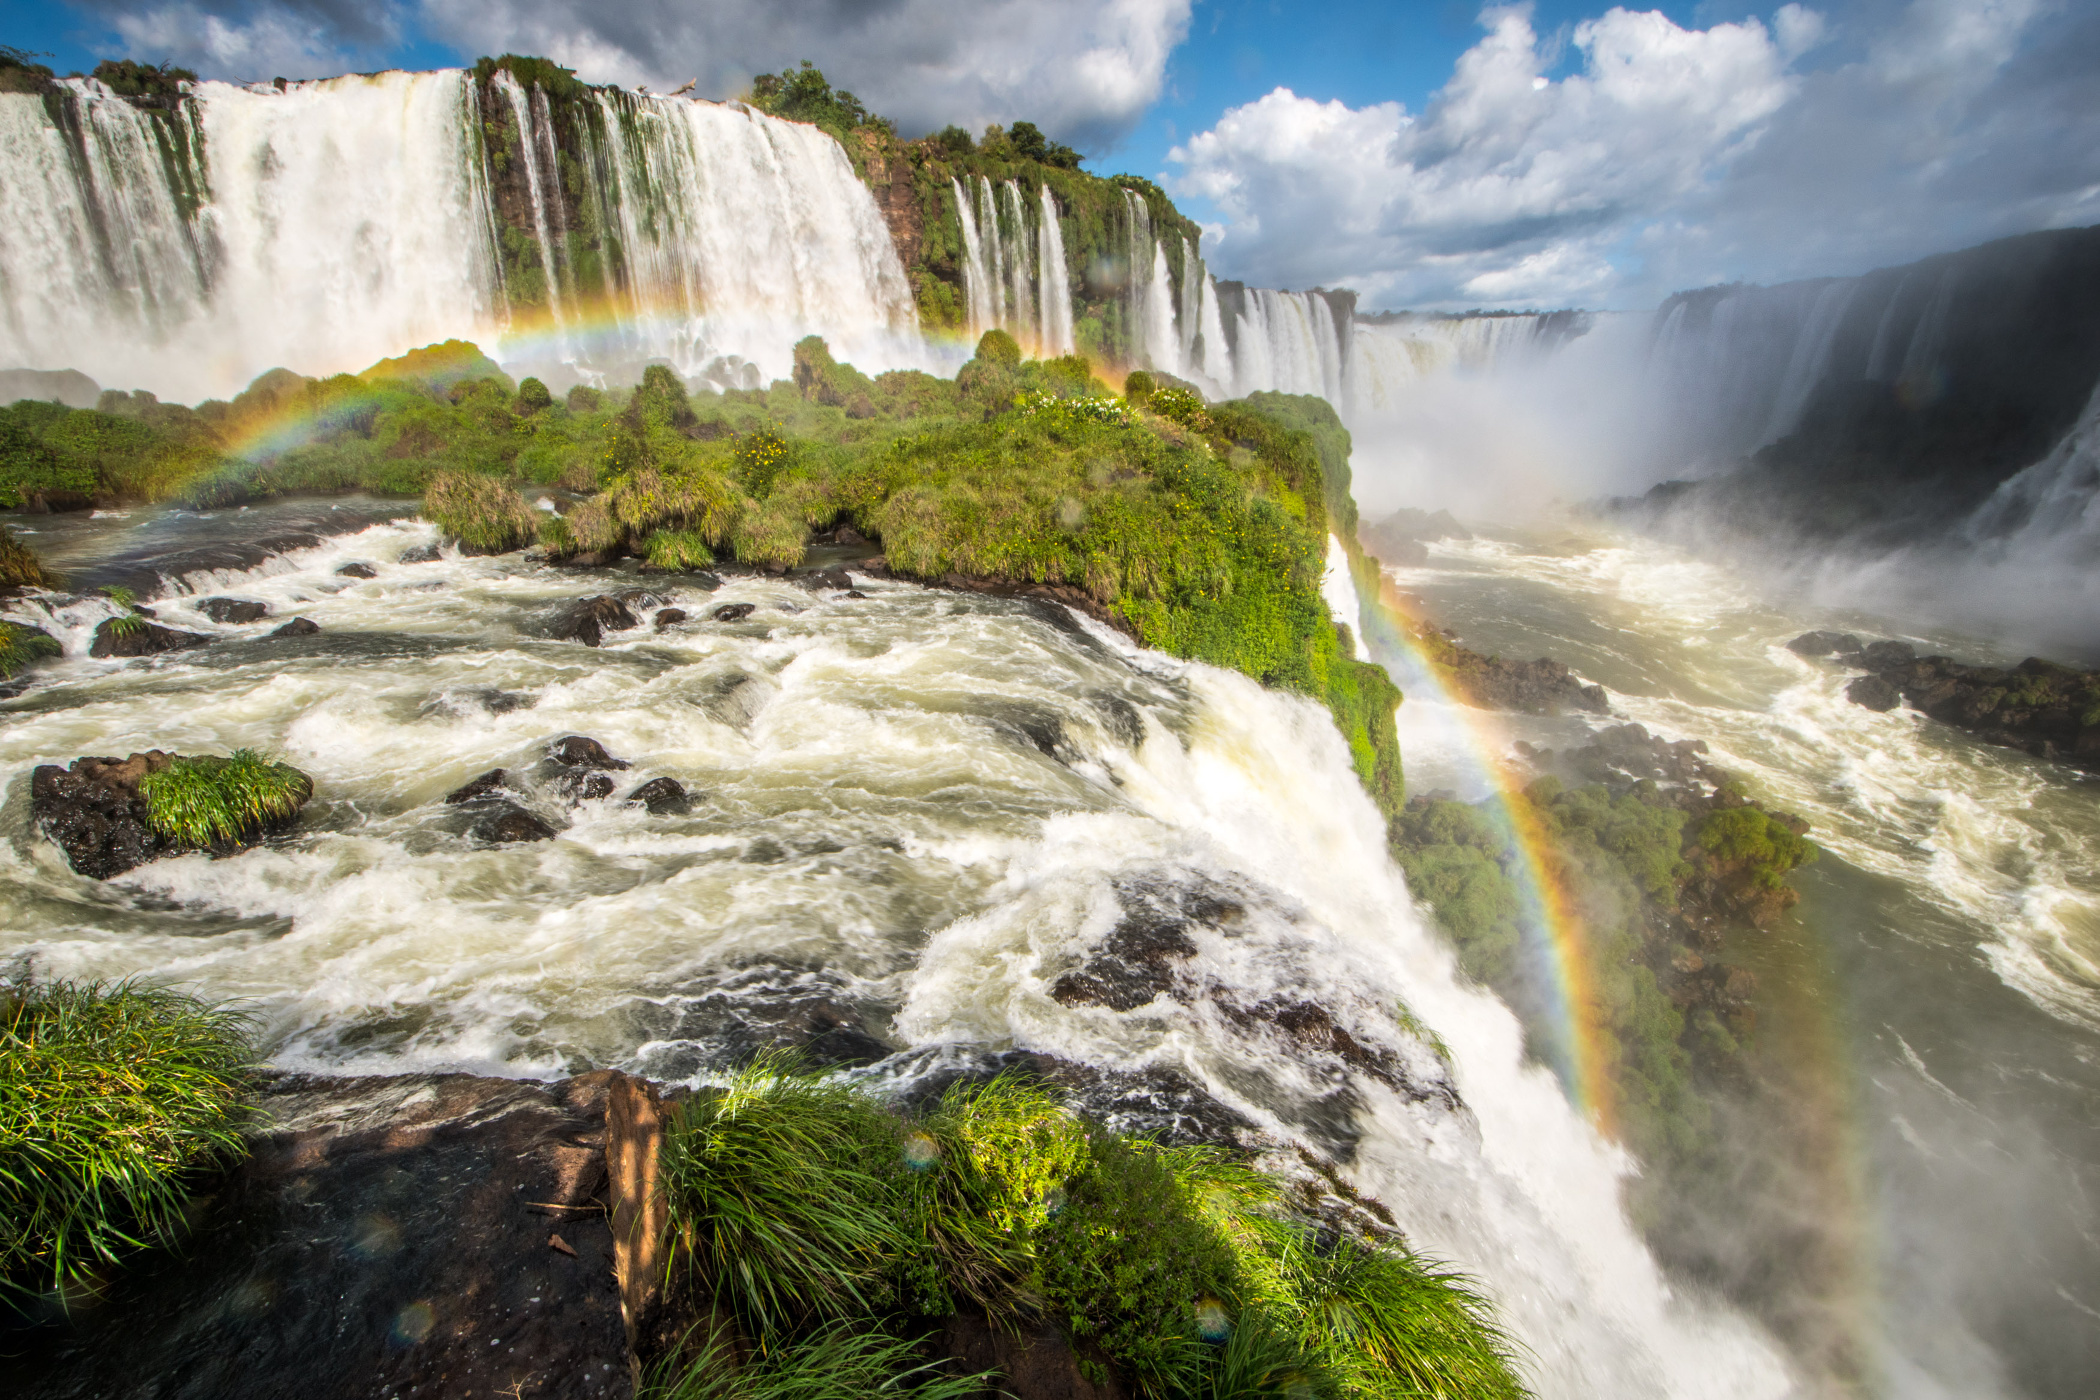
{"x":664,"y":797}
{"x":93,"y":810}
{"x":422,"y":554}
{"x":357,"y":570}
{"x":853,"y":593}
{"x":1137,"y":961}
{"x":1034,"y":1361}
{"x":486,"y":785}
{"x":114,"y":638}
{"x":835,"y":577}
{"x":1874,"y":693}
{"x":578,"y":752}
{"x":1541,"y":687}
{"x":669,"y":617}
{"x":1885,"y":656}
{"x":641,"y":599}
{"x":731,"y":1015}
{"x":225,"y":610}
{"x":1824,"y":644}
{"x":582,"y":785}
{"x":1119,"y":717}
{"x":734,"y":612}
{"x":387,"y":1236}
{"x":589,"y":620}
{"x":297,"y":627}
{"x":507,"y":822}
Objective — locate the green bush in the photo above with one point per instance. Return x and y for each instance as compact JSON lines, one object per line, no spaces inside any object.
{"x":19,"y":566}
{"x":202,"y":802}
{"x":843,"y":1361}
{"x":22,"y":647}
{"x":485,"y":515}
{"x":113,"y":1099}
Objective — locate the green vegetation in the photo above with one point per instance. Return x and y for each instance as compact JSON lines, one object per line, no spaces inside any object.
{"x":113,"y":1099}
{"x":482,"y":513}
{"x":825,"y":1222}
{"x":202,"y":802}
{"x":21,"y":647}
{"x":19,"y":566}
{"x":839,"y":1362}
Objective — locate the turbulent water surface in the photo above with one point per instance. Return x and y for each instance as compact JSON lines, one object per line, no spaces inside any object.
{"x":918,"y":809}
{"x":1937,"y":991}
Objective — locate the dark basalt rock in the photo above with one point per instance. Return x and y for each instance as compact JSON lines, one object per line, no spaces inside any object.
{"x":387,"y":1236}
{"x":1824,"y":644}
{"x":1874,"y":693}
{"x":589,"y":620}
{"x":422,"y":554}
{"x":225,"y":610}
{"x":835,"y":577}
{"x":664,"y":797}
{"x":486,"y":785}
{"x":734,"y":612}
{"x":1886,"y":656}
{"x":355,"y":570}
{"x":297,"y":627}
{"x":583,"y":785}
{"x":579,"y":752}
{"x":507,"y":822}
{"x":142,"y":639}
{"x":1541,"y":687}
{"x":93,"y":810}
{"x":669,"y":617}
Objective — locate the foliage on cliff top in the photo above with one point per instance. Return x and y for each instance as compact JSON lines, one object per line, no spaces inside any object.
{"x":1182,"y":1265}
{"x":112,"y":1099}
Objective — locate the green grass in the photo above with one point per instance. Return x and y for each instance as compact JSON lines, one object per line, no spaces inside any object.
{"x":23,"y":647}
{"x":19,"y":566}
{"x":201,"y":802}
{"x":843,"y":1361}
{"x":485,"y":515}
{"x":113,"y":1098}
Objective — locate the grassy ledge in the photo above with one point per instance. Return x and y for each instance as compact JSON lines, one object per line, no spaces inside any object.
{"x":815,"y":1222}
{"x":113,"y":1098}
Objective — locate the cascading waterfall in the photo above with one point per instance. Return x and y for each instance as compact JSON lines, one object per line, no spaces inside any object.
{"x":1014,"y":273}
{"x":1054,"y":290}
{"x":329,"y":224}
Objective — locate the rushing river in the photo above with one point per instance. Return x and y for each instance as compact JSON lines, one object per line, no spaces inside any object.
{"x":917,"y":811}
{"x":1935,"y":997}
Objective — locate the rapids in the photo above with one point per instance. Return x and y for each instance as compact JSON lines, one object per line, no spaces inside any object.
{"x":1935,"y":998}
{"x":921,"y":807}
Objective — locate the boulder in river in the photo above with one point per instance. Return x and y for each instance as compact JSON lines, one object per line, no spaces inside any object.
{"x":134,"y":636}
{"x":664,"y":797}
{"x":225,"y":610}
{"x":297,"y":627}
{"x":1824,"y":644}
{"x":734,"y":612}
{"x":669,"y":617}
{"x":357,"y":570}
{"x":1874,"y":693}
{"x":487,"y":785}
{"x":578,"y":752}
{"x":95,"y":811}
{"x":507,"y":822}
{"x":421,"y":554}
{"x":590,"y":619}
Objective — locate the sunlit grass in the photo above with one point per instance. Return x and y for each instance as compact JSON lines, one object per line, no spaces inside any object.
{"x":842,"y":1361}
{"x":203,"y":801}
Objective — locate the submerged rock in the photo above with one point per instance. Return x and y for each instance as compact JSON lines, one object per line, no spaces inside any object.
{"x":297,"y":627}
{"x":134,"y":636}
{"x":579,"y":752}
{"x":224,"y":610}
{"x":507,"y":822}
{"x":94,"y":811}
{"x":664,"y":797}
{"x":421,"y":554}
{"x":486,"y":785}
{"x":589,"y":620}
{"x":355,"y":570}
{"x":734,"y":612}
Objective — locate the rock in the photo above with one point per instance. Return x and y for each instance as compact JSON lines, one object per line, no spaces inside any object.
{"x":589,"y":620}
{"x":387,"y":1236}
{"x":297,"y":627}
{"x":508,"y":822}
{"x":487,"y":784}
{"x":422,"y":554}
{"x":1887,"y":656}
{"x":855,"y":593}
{"x":579,"y":752}
{"x":141,"y":639}
{"x":581,"y":785}
{"x":819,"y":579}
{"x":641,"y":599}
{"x":669,"y":617}
{"x":734,"y":612}
{"x":1874,"y":693}
{"x":1035,"y":1362}
{"x":225,"y":610}
{"x":93,"y":810}
{"x":664,"y":797}
{"x":1824,"y":644}
{"x":355,"y":570}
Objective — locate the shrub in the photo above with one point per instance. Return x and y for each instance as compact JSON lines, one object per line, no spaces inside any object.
{"x":202,"y":802}
{"x":996,"y":347}
{"x":19,"y":566}
{"x":483,"y":514}
{"x":21,"y":647}
{"x":111,"y":1099}
{"x":678,"y":549}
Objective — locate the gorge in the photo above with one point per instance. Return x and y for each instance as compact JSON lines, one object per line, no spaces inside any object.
{"x":1023,"y":719}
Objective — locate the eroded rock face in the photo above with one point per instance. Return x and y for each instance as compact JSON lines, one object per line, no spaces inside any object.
{"x":589,"y":620}
{"x":389,"y":1236}
{"x":93,"y":810}
{"x":138,"y":637}
{"x":2047,"y":710}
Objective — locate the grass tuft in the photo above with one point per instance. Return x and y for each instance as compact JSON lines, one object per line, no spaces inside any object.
{"x":485,"y":515}
{"x":838,"y":1362}
{"x":111,"y":1097}
{"x":21,"y":647}
{"x":202,"y":802}
{"x":678,"y":549}
{"x":19,"y":566}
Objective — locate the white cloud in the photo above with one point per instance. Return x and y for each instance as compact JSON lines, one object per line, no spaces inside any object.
{"x":1672,"y":157}
{"x":1083,"y":70}
{"x":246,"y":40}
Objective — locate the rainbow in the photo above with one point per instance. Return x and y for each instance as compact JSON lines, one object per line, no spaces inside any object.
{"x":1582,"y":1051}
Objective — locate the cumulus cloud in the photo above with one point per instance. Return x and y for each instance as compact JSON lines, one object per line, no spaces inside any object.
{"x":1083,"y":70}
{"x":246,"y":40}
{"x":1672,"y":157}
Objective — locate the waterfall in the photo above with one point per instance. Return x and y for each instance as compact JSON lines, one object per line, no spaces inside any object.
{"x":330,"y":224}
{"x":1019,"y":274}
{"x":1055,"y":295}
{"x":1014,"y":273}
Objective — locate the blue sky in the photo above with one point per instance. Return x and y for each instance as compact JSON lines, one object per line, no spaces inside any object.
{"x":1428,"y":153}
